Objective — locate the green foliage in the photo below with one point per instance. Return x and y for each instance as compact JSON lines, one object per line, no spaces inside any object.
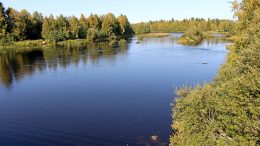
{"x":19,"y":26}
{"x":94,"y":22}
{"x":74,"y":27}
{"x":214,"y":25}
{"x":28,"y":43}
{"x":11,"y":13}
{"x":36,"y":27}
{"x":92,"y":34}
{"x":83,"y":27}
{"x":226,"y":111}
{"x":48,"y":28}
{"x":192,"y":36}
{"x":110,"y":25}
{"x":122,"y":43}
{"x":7,"y":40}
{"x":22,"y":23}
{"x":58,"y":29}
{"x":62,"y":28}
{"x":92,"y":28}
{"x":142,"y":28}
{"x":152,"y":35}
{"x":3,"y":21}
{"x":125,"y":26}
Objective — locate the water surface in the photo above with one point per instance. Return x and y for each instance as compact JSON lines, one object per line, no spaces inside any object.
{"x":98,"y":95}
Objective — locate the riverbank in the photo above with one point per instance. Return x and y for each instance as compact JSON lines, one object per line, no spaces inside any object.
{"x":225,"y":111}
{"x":77,"y":42}
{"x":41,"y":43}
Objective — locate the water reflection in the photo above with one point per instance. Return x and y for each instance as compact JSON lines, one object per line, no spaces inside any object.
{"x":17,"y":63}
{"x":160,"y":40}
{"x":174,"y":37}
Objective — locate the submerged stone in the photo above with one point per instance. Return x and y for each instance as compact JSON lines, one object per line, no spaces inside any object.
{"x":155,"y":138}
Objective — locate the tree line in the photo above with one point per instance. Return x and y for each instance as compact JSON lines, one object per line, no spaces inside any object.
{"x":17,"y":26}
{"x":214,"y":25}
{"x":21,"y":25}
{"x":91,"y":28}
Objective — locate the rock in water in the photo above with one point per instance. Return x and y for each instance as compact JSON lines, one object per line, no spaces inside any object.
{"x":155,"y":138}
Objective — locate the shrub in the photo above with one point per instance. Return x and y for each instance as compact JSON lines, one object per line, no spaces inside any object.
{"x":192,"y":36}
{"x":226,"y":111}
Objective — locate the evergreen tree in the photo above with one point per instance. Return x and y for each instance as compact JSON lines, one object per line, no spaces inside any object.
{"x":83,"y":27}
{"x":11,"y":19}
{"x":125,"y":26}
{"x":3,"y":21}
{"x":37,"y":20}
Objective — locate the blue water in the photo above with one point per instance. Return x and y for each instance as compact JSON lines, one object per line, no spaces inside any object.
{"x":97,"y":95}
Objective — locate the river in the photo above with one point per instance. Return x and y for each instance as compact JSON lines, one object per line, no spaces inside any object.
{"x":97,"y":95}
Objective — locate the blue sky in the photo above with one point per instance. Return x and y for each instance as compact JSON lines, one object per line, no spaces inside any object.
{"x":136,"y":10}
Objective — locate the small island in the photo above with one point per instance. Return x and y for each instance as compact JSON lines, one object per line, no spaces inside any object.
{"x":193,"y":36}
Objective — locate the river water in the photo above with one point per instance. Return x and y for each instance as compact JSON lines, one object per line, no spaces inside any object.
{"x":97,"y":95}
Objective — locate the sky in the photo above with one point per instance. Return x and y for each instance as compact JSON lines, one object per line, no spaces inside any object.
{"x":136,"y":10}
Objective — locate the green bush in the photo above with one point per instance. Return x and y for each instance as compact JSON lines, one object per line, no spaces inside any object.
{"x":92,"y":34}
{"x":226,"y":111}
{"x":192,"y":36}
{"x":7,"y":40}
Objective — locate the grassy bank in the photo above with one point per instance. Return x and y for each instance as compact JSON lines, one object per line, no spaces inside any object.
{"x":28,"y":43}
{"x":226,"y":111}
{"x":233,"y":38}
{"x":67,"y":43}
{"x":39,"y":43}
{"x":149,"y":35}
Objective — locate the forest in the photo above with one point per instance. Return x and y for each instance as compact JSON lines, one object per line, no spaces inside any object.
{"x":226,"y":111}
{"x":213,"y":25}
{"x":194,"y":29}
{"x":21,"y":25}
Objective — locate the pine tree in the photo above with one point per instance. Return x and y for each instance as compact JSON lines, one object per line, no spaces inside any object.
{"x":3,"y":21}
{"x":125,"y":26}
{"x":83,"y":23}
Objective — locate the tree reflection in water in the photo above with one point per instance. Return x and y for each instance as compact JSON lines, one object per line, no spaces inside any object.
{"x":19,"y":62}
